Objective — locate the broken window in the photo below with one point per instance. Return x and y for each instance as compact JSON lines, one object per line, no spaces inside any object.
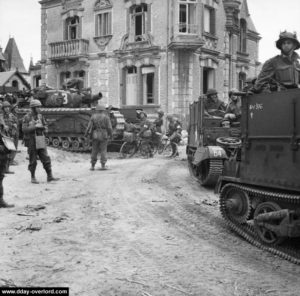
{"x":209,"y":20}
{"x":187,"y":16}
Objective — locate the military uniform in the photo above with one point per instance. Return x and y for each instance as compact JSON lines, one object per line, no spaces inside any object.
{"x":35,"y":124}
{"x":174,"y":134}
{"x":100,"y":129}
{"x":235,"y":107}
{"x":4,"y":158}
{"x":283,"y":70}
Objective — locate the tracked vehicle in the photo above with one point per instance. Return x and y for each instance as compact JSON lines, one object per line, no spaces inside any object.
{"x":260,"y":184}
{"x":68,"y":118}
{"x":209,"y":144}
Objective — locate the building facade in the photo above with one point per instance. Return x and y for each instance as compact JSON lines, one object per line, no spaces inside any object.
{"x":149,"y":53}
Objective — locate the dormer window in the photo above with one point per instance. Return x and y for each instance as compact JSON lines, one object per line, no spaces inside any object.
{"x":187,"y":16}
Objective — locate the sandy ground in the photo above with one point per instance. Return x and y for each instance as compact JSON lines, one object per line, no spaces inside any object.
{"x":143,"y":227}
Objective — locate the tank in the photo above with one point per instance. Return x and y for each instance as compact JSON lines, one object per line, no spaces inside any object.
{"x":260,"y":184}
{"x":209,"y":144}
{"x":68,"y":115}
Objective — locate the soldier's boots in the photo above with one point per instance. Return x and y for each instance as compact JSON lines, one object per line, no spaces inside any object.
{"x":103,"y":167}
{"x":50,"y":177}
{"x":92,"y":168}
{"x":4,"y":204}
{"x":34,"y":180}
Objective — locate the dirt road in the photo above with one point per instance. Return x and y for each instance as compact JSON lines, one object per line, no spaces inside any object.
{"x":141,"y":228}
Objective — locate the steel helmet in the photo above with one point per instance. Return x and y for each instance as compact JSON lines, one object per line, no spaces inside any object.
{"x":211,"y":91}
{"x":5,"y":104}
{"x":287,"y":35}
{"x":35,"y":103}
{"x":232,"y":91}
{"x":160,"y":112}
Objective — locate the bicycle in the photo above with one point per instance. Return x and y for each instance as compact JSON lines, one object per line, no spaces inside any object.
{"x":133,"y":144}
{"x":165,"y":147}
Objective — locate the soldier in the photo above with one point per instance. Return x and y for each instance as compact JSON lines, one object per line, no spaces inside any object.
{"x":282,"y":70}
{"x":159,"y":121}
{"x":12,"y":122}
{"x":145,"y":132}
{"x":234,"y":108}
{"x":174,"y":133}
{"x":249,"y":83}
{"x":213,"y":106}
{"x":4,"y":153}
{"x":100,"y":130}
{"x":34,"y":125}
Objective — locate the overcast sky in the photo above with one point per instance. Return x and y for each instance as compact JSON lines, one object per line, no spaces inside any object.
{"x":21,"y":20}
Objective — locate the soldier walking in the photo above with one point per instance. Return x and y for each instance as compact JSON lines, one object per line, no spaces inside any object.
{"x":100,"y":130}
{"x":35,"y":125}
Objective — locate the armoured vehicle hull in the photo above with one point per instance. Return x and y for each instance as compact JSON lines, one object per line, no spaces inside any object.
{"x":260,"y":186}
{"x":66,"y":127}
{"x":205,"y":152}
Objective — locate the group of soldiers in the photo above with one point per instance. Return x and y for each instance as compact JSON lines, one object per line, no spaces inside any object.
{"x":278,"y":73}
{"x":33,"y":125}
{"x":99,"y":130}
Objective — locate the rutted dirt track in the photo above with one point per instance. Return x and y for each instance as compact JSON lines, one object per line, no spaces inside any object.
{"x":141,"y":228}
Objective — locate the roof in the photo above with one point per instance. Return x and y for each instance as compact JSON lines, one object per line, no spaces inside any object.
{"x":246,"y":15}
{"x":5,"y":76}
{"x":13,"y":57}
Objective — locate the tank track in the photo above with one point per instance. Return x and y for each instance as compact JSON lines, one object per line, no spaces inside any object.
{"x":287,"y":250}
{"x":215,"y":170}
{"x":69,"y":147}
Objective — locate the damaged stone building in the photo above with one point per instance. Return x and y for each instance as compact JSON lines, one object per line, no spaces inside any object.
{"x":149,"y":53}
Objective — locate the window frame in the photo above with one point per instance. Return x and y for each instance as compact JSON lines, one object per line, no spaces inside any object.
{"x":145,"y":19}
{"x":190,"y":27}
{"x":212,"y":20}
{"x":99,"y":32}
{"x":69,"y":26}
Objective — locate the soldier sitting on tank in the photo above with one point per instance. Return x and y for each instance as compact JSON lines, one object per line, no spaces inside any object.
{"x":282,"y":70}
{"x":174,"y":133}
{"x":233,"y":111}
{"x":213,"y":106}
{"x":34,"y":125}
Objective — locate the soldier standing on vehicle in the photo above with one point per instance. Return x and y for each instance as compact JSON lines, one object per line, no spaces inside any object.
{"x":34,"y":127}
{"x":213,"y":106}
{"x":12,"y":122}
{"x":283,"y":69}
{"x":234,"y":108}
{"x":100,"y":130}
{"x":174,"y":133}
